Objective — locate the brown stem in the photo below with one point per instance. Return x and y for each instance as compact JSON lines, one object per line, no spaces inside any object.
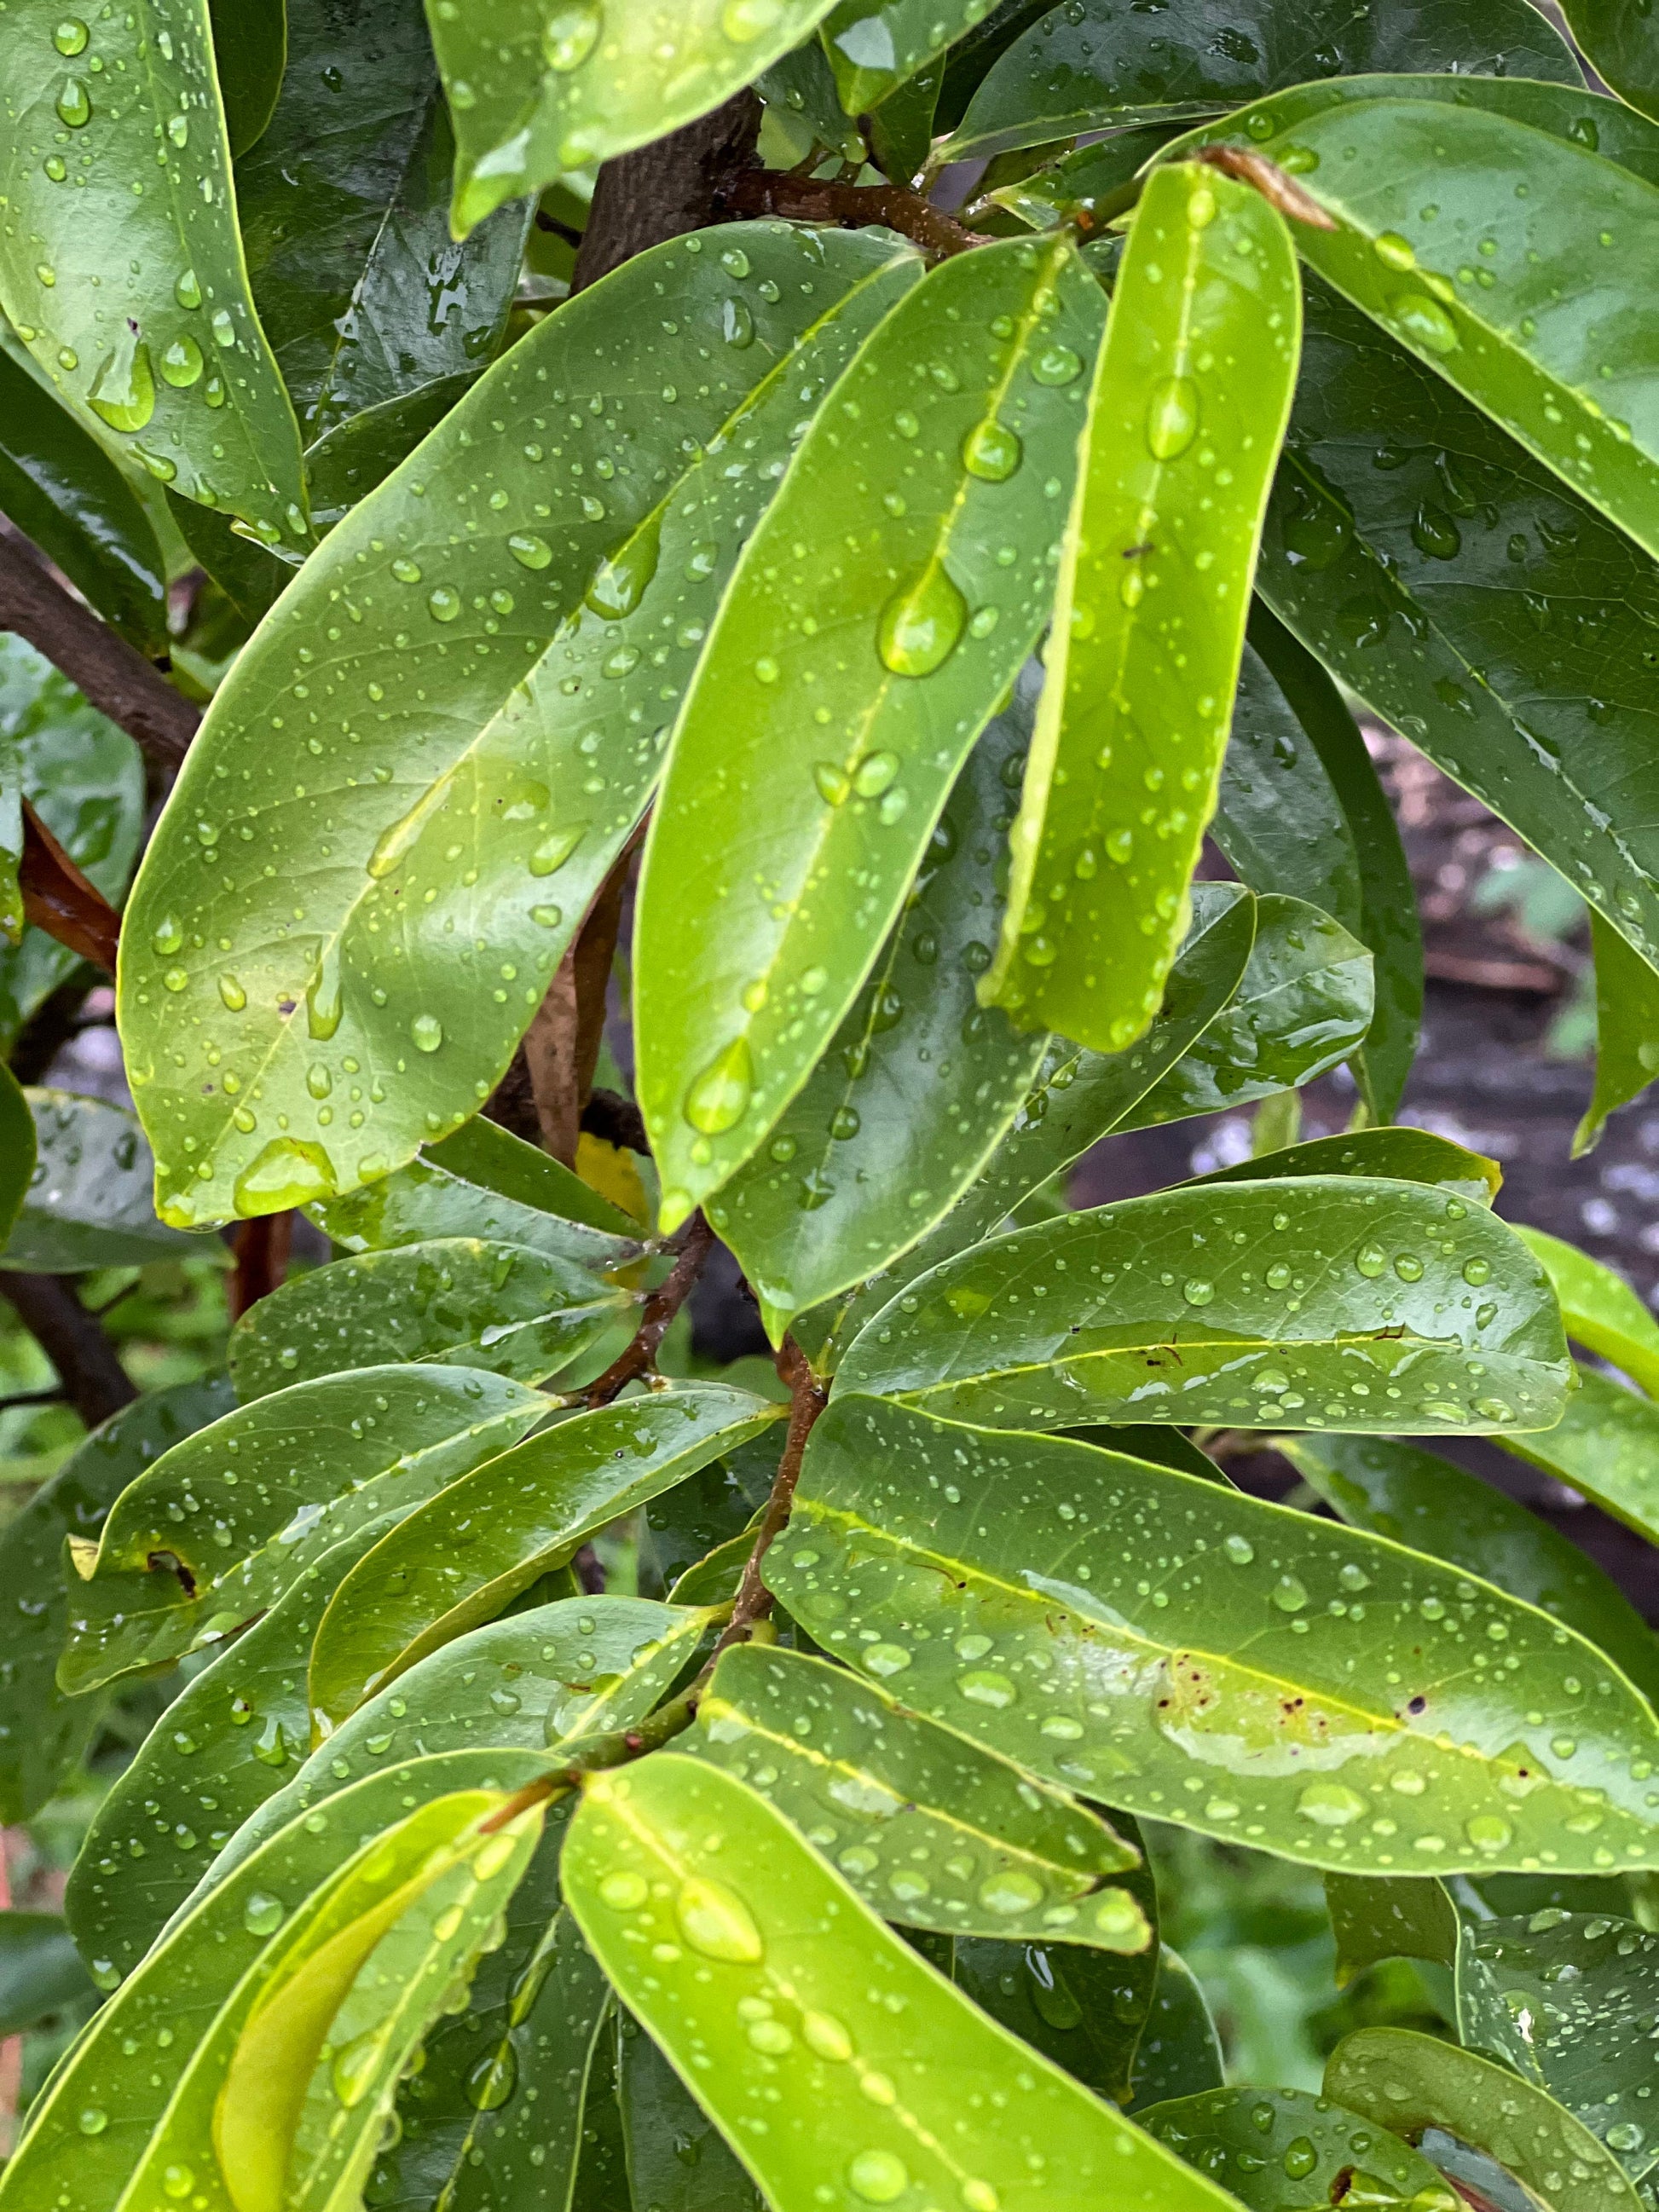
{"x":262,"y":1248}
{"x":113,"y":675}
{"x":562,"y":1045}
{"x":660,"y":1308}
{"x":1276,"y":185}
{"x":818,"y":200}
{"x":605,"y":1752}
{"x":807,"y":1398}
{"x":51,"y":1027}
{"x":94,"y":1382}
{"x":57,"y":897}
{"x":665,"y":189}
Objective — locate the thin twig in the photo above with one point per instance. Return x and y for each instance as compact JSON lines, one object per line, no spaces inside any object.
{"x":93,"y":1380}
{"x":819,"y":199}
{"x":1276,"y":185}
{"x":640,"y":1356}
{"x":58,"y":899}
{"x":604,"y":1752}
{"x":807,"y":1398}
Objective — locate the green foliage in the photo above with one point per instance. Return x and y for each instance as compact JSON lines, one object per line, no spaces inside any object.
{"x":499,"y":1754}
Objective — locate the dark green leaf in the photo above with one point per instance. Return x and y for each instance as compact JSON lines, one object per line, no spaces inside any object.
{"x":884,"y":2063}
{"x":1367,"y":1302}
{"x":453,"y":568}
{"x":458,"y":1300}
{"x":17,"y":1151}
{"x":1154,"y":587}
{"x":1405,"y":1155}
{"x":1606,"y":1445}
{"x":710,"y":1508}
{"x":1374,"y":1917}
{"x":929,"y":1830}
{"x":1163,"y":1447}
{"x":1623,"y":48}
{"x":233,"y":1515}
{"x":40,"y":1970}
{"x":136,"y":302}
{"x":1087,"y":186}
{"x":676,"y":2160}
{"x":1084,"y":2010}
{"x":61,"y":489}
{"x":1097,"y":63}
{"x":1178,"y":2050}
{"x":1413,"y":2083}
{"x":344,"y":208}
{"x":1258,"y":2142}
{"x":459,"y":1559}
{"x":1394,"y":1489}
{"x":1626,"y":1031}
{"x":347,"y":462}
{"x":917,"y":1086}
{"x":1308,"y":1679}
{"x":1600,"y":1308}
{"x":875,"y":45}
{"x":250,"y":47}
{"x":802,"y":84}
{"x":87,"y":1204}
{"x":250,"y":577}
{"x":601,"y":2182}
{"x":902,"y":128}
{"x":737,"y":996}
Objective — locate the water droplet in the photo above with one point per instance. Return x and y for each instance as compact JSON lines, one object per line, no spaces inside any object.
{"x":71,"y":36}
{"x":178,"y":2181}
{"x":1198,"y":1292}
{"x":550,"y":855}
{"x":1409,"y":1267}
{"x":874,"y":773}
{"x":1300,"y":2158}
{"x":1171,"y":417}
{"x":920,"y":624}
{"x":124,"y":391}
{"x":355,"y":2068}
{"x":886,"y":1658}
{"x":991,"y":452}
{"x":1476,"y":1272}
{"x":187,"y":291}
{"x":624,"y":1891}
{"x":73,"y":104}
{"x":529,"y":550}
{"x":984,"y":1687}
{"x":1289,"y":1594}
{"x":1423,"y":320}
{"x":1240,"y":1550}
{"x":181,"y":361}
{"x":735,"y":262}
{"x":1488,"y":1832}
{"x":1393,"y":250}
{"x":1371,"y":1259}
{"x":833,"y":784}
{"x":288,"y":1172}
{"x":443,"y":602}
{"x":428,"y":1032}
{"x":737,"y":325}
{"x":230,"y":991}
{"x":93,"y":2121}
{"x":1057,"y":364}
{"x":179,"y":129}
{"x":715,"y":1921}
{"x":224,"y":328}
{"x":1330,"y":1804}
{"x":718,"y":1097}
{"x":824,"y":2036}
{"x":571,"y":32}
{"x":878,"y":2176}
{"x":492,"y":2079}
{"x":621,"y":582}
{"x":263,"y":1915}
{"x":1009,"y":1893}
{"x":1434,"y":532}
{"x":169,"y":934}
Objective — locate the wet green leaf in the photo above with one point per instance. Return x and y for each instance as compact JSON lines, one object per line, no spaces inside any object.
{"x":17,"y":1151}
{"x":1316,"y":1683}
{"x":934,"y":550}
{"x":450,"y":576}
{"x":40,"y":1970}
{"x":677,"y":2159}
{"x":458,"y":1300}
{"x":232,"y":1515}
{"x":917,"y":1086}
{"x":1084,"y":2010}
{"x":62,"y":489}
{"x":1374,"y":1917}
{"x":887,"y":2095}
{"x":227,"y":1743}
{"x":1260,"y":2142}
{"x":1179,"y":2051}
{"x":1569,"y":2001}
{"x":347,"y":462}
{"x":710,"y":1508}
{"x":1422,"y":1500}
{"x":1154,"y":586}
{"x":1607,"y":1445}
{"x":601,"y":2182}
{"x":1622,"y":48}
{"x":250,"y":48}
{"x":1097,"y":65}
{"x":87,"y":1205}
{"x":1367,"y":1302}
{"x":1412,"y":2083}
{"x":344,"y":208}
{"x":1404,"y":1154}
{"x":1600,"y":1308}
{"x":874,"y":46}
{"x":929,"y":1830}
{"x":460,"y":1560}
{"x":534,"y":94}
{"x":902,"y":128}
{"x":802,"y":85}
{"x":1626,"y":1031}
{"x":1086,"y":186}
{"x":121,"y":268}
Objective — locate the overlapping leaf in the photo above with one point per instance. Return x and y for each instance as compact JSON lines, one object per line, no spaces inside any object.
{"x":1626,"y":1031}
{"x":1257,"y":2142}
{"x":1601,"y":1310}
{"x":87,"y":1204}
{"x":1084,"y":2010}
{"x":1405,"y":1155}
{"x":40,"y":1970}
{"x":381,"y":1013}
{"x":676,"y":2156}
{"x":17,"y":1152}
{"x":874,"y":46}
{"x":1620,"y":42}
{"x":1179,"y":2053}
{"x":1334,"y":1697}
{"x":1607,"y":1445}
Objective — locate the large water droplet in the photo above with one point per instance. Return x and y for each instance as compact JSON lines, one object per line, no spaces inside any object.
{"x":1057,"y":364}
{"x":1009,"y":1893}
{"x":181,"y":361}
{"x":1434,"y":532}
{"x":263,"y":1915}
{"x":621,"y":584}
{"x":529,"y":550}
{"x":427,"y":1031}
{"x":991,"y":452}
{"x":1171,"y":417}
{"x":1423,"y":320}
{"x":718,"y":1095}
{"x":288,"y":1172}
{"x":715,"y":1921}
{"x":1330,"y":1804}
{"x":571,"y":32}
{"x":169,"y":935}
{"x":124,"y":391}
{"x":235,"y":998}
{"x":73,"y":104}
{"x":920,"y":624}
{"x":492,"y":2079}
{"x":737,"y":325}
{"x":323,"y":997}
{"x":71,"y":36}
{"x":1393,"y":251}
{"x":550,"y":855}
{"x":355,"y":2068}
{"x":187,"y":291}
{"x":878,"y":2176}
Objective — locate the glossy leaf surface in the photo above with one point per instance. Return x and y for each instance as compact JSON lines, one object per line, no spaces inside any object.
{"x":1405,"y":1155}
{"x":1410,"y":2082}
{"x":250,"y":48}
{"x":87,"y":1204}
{"x":1091,"y":181}
{"x":458,"y":572}
{"x":40,"y":1969}
{"x":1179,"y":2053}
{"x":534,"y":95}
{"x":875,"y":45}
{"x":1600,"y":1309}
{"x":1101,"y":64}
{"x":62,"y":489}
{"x":676,"y":2158}
{"x":1274,"y":2146}
{"x":344,"y":208}
{"x":462,"y":1558}
{"x":1308,"y":1679}
{"x":135,"y":302}
{"x":1374,"y":1917}
{"x":1425,"y":1501}
{"x":768,"y":1921}
{"x":231,"y":1529}
{"x":1084,"y":2010}
{"x":1154,"y":587}
{"x":962,"y":410}
{"x":17,"y":1152}
{"x":1606,"y":1445}
{"x":928,"y":1830}
{"x":1619,"y":38}
{"x":1626,"y":1031}
{"x":458,"y":1300}
{"x":1238,"y":1306}
{"x":919,"y":1082}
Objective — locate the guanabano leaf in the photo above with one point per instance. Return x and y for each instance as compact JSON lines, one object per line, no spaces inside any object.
{"x":1626,"y":1030}
{"x":1255,"y":2142}
{"x":1600,"y":1309}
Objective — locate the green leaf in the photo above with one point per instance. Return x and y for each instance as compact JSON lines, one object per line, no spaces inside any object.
{"x":1095,"y":66}
{"x":1422,"y":1500}
{"x":1154,"y":587}
{"x":1306,"y":1677}
{"x":344,"y":208}
{"x":1410,"y":2083}
{"x":874,"y":46}
{"x":1607,"y":1445}
{"x":1089,"y":184}
{"x":1255,"y":2142}
{"x":348,"y":461}
{"x":1366,"y":1302}
{"x":917,"y":1086}
{"x":768,"y":1923}
{"x":1626,"y":1031}
{"x":802,"y":85}
{"x":1388,"y":921}
{"x":1306,"y":998}
{"x":1373,"y":1918}
{"x":458,"y":1300}
{"x":226,"y":1745}
{"x":461,"y":1558}
{"x":902,"y":128}
{"x":17,"y":1151}
{"x":1179,"y":2051}
{"x":1567,"y":2000}
{"x":1405,"y":1155}
{"x":171,"y":357}
{"x":87,"y":1205}
{"x":452,"y":569}
{"x":930,"y":1830}
{"x":1601,"y":1310}
{"x":677,"y":2159}
{"x":710,"y":1508}
{"x":308,"y":1468}
{"x":40,"y":1970}
{"x":1084,"y":2010}
{"x":738,"y":995}
{"x":1621,"y":46}
{"x":534,"y":95}
{"x":62,"y":489}
{"x":250,"y":49}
